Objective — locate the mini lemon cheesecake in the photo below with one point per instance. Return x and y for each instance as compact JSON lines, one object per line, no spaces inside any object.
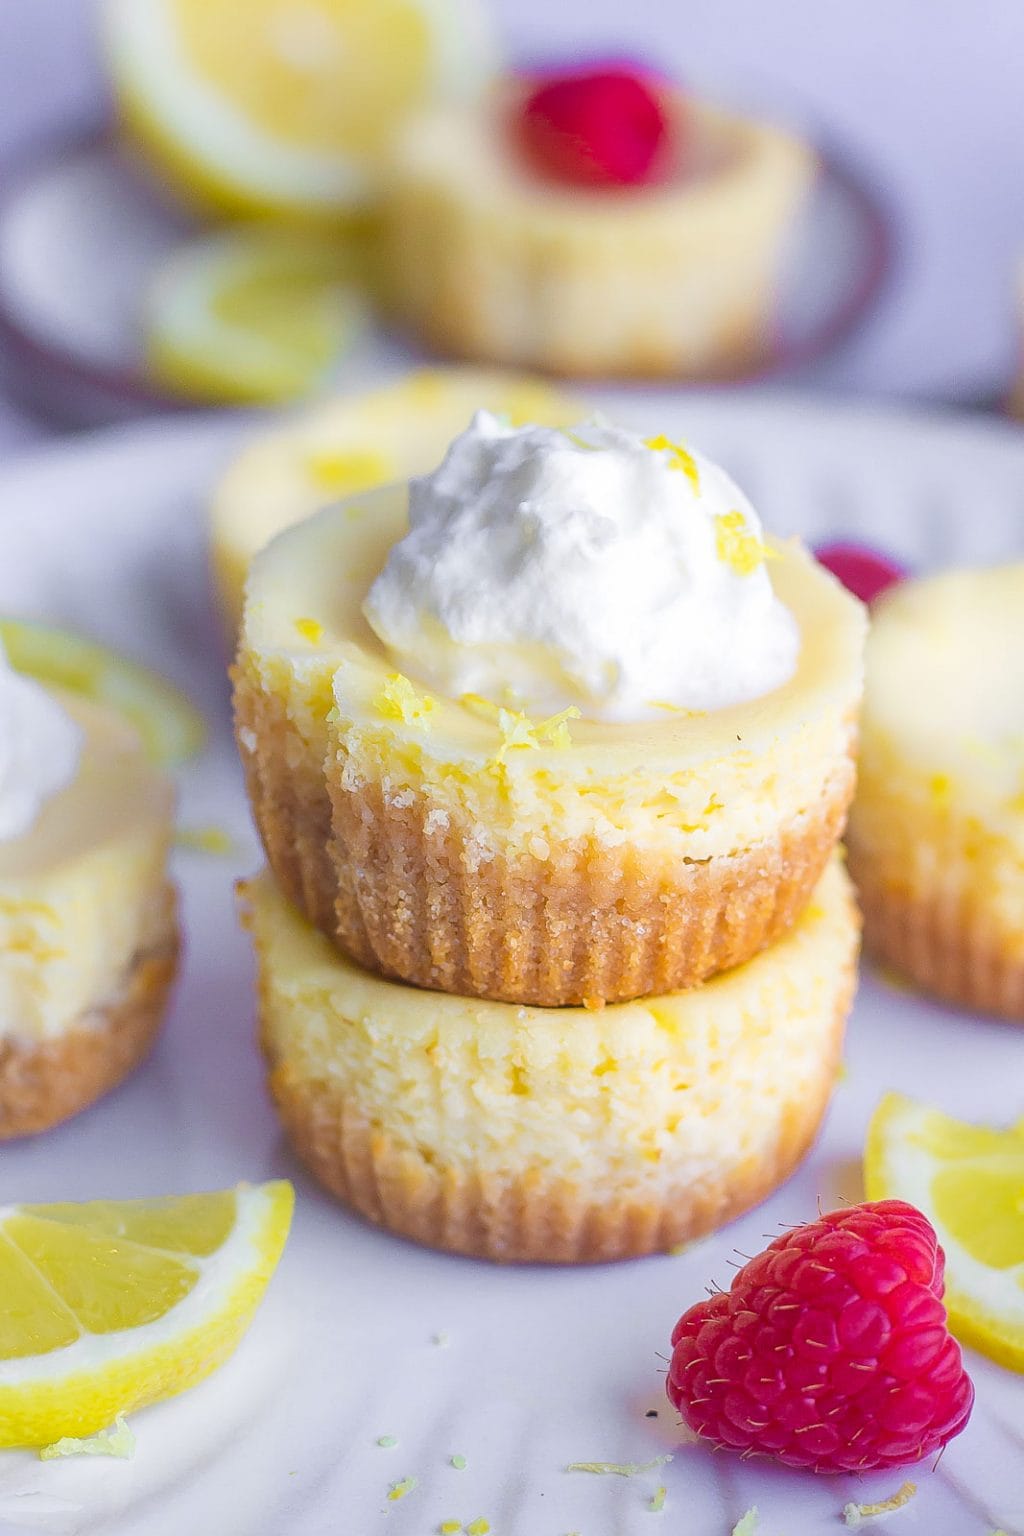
{"x":553,"y":725}
{"x":352,"y":443}
{"x":553,"y":1135}
{"x":532,"y":229}
{"x":88,"y":933}
{"x":936,"y":835}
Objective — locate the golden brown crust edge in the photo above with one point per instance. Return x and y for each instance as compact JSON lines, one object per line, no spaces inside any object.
{"x":42,"y":1085}
{"x":529,"y":1217}
{"x":942,"y":944}
{"x":592,"y":923}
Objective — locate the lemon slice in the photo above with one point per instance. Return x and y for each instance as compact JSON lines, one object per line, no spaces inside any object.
{"x":112,"y":1305}
{"x":285,"y":106}
{"x":969,"y":1181}
{"x":249,"y":317}
{"x":170,"y":727}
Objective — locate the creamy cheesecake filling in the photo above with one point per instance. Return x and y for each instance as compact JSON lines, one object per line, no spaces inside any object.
{"x":40,"y":747}
{"x":81,"y":893}
{"x":688,"y":784}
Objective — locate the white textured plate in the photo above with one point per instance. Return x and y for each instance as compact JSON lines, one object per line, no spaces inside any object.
{"x":81,"y":233}
{"x":540,"y":1368}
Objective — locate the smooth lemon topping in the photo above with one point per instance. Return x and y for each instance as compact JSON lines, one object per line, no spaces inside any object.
{"x":310,"y":630}
{"x":399,"y":700}
{"x":679,"y":458}
{"x":736,"y":546}
{"x":856,"y":1514}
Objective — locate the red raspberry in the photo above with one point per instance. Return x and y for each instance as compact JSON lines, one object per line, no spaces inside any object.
{"x":597,"y":128}
{"x":831,"y":1350}
{"x":860,"y":570}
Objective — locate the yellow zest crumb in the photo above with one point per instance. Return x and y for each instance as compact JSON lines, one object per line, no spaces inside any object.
{"x":116,"y":1441}
{"x":459,"y":1463}
{"x":580,"y":442}
{"x":209,"y":839}
{"x":333,"y":469}
{"x":675,"y":709}
{"x":387,"y":1441}
{"x":746,"y":1525}
{"x":399,"y":1490}
{"x":518,"y":730}
{"x":657,"y":1503}
{"x":736,"y":546}
{"x":398,"y":700}
{"x":450,"y":1527}
{"x":681,"y":458}
{"x":618,"y":1468}
{"x":478,"y":1528}
{"x":310,"y":630}
{"x":855,"y":1514}
{"x":940,"y":789}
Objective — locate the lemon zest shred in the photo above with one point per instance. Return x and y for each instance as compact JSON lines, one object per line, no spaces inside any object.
{"x":518,"y":730}
{"x":310,"y":629}
{"x":117,"y":1441}
{"x":209,"y":839}
{"x":399,"y":700}
{"x":737,"y":547}
{"x":682,"y":459}
{"x":479,"y":1527}
{"x":674,"y":709}
{"x":618,"y":1468}
{"x":580,"y":442}
{"x":657,"y":1503}
{"x":450,"y":1527}
{"x":458,"y":1461}
{"x":399,"y":1490}
{"x":386,"y":1441}
{"x":856,"y":1514}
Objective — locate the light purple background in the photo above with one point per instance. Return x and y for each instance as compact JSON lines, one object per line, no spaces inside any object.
{"x":926,"y":96}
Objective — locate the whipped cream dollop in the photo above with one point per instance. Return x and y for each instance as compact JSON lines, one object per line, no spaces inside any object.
{"x":40,"y":747}
{"x":544,"y":569}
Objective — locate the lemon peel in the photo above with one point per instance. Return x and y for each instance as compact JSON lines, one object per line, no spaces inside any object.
{"x":117,"y":1441}
{"x":855,"y":1515}
{"x":657,"y":1503}
{"x":737,"y":547}
{"x":459,"y":1463}
{"x":618,"y":1468}
{"x":450,"y":1527}
{"x":399,"y":700}
{"x":399,"y":1490}
{"x":680,"y":458}
{"x":386,"y":1441}
{"x":479,"y":1527}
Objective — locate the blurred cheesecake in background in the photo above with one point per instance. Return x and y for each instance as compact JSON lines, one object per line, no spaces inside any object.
{"x":352,"y":443}
{"x":88,"y":928}
{"x":595,"y":223}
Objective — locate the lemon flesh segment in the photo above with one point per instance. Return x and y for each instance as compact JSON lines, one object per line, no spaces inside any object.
{"x":171,"y":729}
{"x":109,"y":1306}
{"x":969,"y":1182}
{"x":286,"y":107}
{"x":250,"y":317}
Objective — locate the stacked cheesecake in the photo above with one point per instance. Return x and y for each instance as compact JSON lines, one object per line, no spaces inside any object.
{"x":549,"y":753}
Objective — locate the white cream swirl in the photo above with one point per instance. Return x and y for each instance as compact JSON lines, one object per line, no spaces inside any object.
{"x":591,"y":568}
{"x":40,"y":747}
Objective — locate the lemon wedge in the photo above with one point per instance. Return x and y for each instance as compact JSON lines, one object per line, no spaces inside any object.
{"x":112,"y":1305}
{"x":969,"y":1181}
{"x":250,"y":317}
{"x":285,"y":106}
{"x":171,"y":728}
